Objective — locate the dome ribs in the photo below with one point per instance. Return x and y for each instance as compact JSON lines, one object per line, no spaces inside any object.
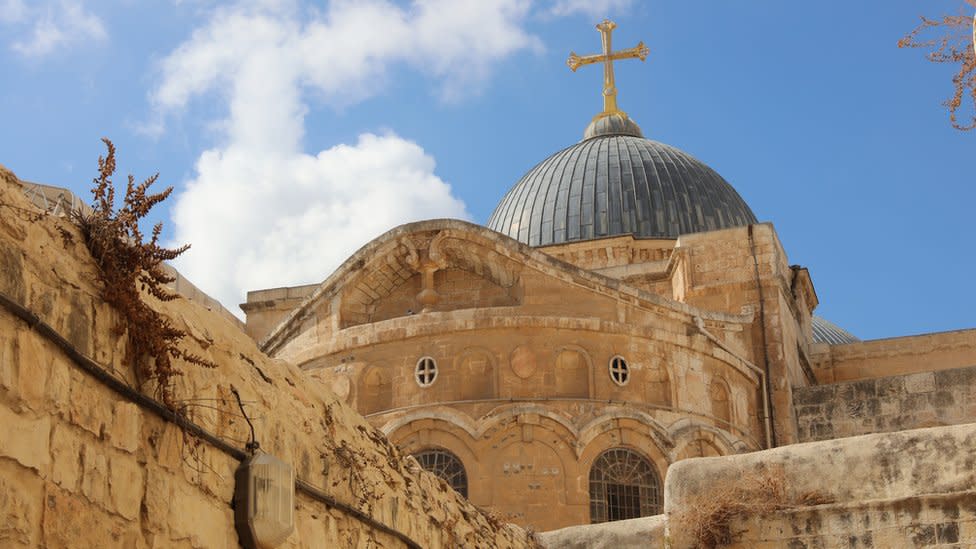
{"x":613,"y":185}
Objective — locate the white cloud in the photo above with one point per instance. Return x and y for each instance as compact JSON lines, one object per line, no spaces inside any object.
{"x":591,"y":8}
{"x":52,"y":26}
{"x":260,"y":221}
{"x":260,"y":212}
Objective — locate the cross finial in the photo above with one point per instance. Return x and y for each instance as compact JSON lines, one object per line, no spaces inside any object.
{"x":608,"y":57}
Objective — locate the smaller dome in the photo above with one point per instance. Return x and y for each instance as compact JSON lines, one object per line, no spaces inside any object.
{"x":617,"y":123}
{"x":825,"y":331}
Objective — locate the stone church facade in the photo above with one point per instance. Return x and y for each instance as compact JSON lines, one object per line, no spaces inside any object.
{"x":622,"y":310}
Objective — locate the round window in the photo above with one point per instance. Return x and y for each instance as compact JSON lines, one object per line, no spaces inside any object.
{"x":619,"y":370}
{"x":426,"y":371}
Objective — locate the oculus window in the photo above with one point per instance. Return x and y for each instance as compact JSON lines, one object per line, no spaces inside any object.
{"x":619,"y":370}
{"x":425,"y":372}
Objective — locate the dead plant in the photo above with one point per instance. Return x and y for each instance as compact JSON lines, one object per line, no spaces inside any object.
{"x":130,"y":267}
{"x":956,"y":44}
{"x":709,"y":519}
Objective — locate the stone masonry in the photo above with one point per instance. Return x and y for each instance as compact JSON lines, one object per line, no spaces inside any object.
{"x":894,"y":403}
{"x":81,"y":466}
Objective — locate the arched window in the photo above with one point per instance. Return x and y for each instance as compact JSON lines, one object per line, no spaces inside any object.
{"x":623,"y":485}
{"x":718,"y":393}
{"x":445,"y":465}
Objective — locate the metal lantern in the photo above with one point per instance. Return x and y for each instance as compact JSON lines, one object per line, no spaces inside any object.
{"x":264,"y":501}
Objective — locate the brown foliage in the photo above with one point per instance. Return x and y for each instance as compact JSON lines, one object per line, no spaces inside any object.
{"x":709,"y":519}
{"x":128,"y":267}
{"x":957,"y":44}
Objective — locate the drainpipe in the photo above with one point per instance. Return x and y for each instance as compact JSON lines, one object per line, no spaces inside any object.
{"x":762,"y":329}
{"x":767,"y":419}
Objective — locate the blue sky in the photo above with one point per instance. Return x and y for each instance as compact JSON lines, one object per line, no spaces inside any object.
{"x":299,"y":131}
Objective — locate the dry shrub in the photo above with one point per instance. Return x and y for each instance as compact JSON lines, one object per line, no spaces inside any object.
{"x":708,"y":519}
{"x":129,"y":267}
{"x":956,"y":43}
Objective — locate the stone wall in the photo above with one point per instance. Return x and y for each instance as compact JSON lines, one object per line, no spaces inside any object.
{"x":83,"y":466}
{"x":895,"y":403}
{"x":885,"y":491}
{"x":935,"y":521}
{"x":906,"y":489}
{"x":895,"y":355}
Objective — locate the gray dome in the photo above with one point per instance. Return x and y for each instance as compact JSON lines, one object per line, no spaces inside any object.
{"x":825,"y":331}
{"x":613,"y":183}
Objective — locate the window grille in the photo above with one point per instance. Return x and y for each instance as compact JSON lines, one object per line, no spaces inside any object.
{"x":623,"y":485}
{"x":619,"y":370}
{"x":426,"y":371}
{"x":445,"y":465}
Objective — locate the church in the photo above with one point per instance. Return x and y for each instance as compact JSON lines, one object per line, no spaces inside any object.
{"x":622,"y":310}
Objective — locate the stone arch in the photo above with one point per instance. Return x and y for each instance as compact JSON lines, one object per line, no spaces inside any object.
{"x":459,"y":422}
{"x":573,"y":371}
{"x":699,"y":447}
{"x":721,"y":401}
{"x":617,"y":417}
{"x":687,"y":432}
{"x":375,"y":392}
{"x":559,"y":423}
{"x":628,"y":433}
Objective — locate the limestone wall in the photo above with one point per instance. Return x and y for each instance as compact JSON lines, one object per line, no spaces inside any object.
{"x":885,"y":491}
{"x":82,"y":466}
{"x":926,"y":399}
{"x":906,"y":489}
{"x":896,"y":355}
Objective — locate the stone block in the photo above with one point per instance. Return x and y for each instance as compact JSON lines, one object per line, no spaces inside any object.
{"x":21,"y":498}
{"x":920,"y":383}
{"x":88,"y":407}
{"x":25,"y":440}
{"x":12,"y":272}
{"x":58,"y":387}
{"x":126,"y":430}
{"x":205,"y":522}
{"x":126,"y":482}
{"x":159,"y":497}
{"x":66,"y":446}
{"x":70,"y":521}
{"x":94,"y":475}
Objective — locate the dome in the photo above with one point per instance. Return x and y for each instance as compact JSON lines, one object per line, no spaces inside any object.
{"x":825,"y":331}
{"x":616,"y":182}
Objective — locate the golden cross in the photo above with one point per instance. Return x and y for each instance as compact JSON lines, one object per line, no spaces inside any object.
{"x":608,"y":57}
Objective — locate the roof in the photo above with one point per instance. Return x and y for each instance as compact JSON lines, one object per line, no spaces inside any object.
{"x":616,"y":182}
{"x":825,"y":331}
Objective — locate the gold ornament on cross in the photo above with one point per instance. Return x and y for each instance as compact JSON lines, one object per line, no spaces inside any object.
{"x":607,"y":58}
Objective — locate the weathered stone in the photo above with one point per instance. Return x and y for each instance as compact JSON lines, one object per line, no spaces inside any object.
{"x":12,"y":271}
{"x":94,"y":475}
{"x":25,"y":440}
{"x":126,"y":430}
{"x":66,"y":457}
{"x":920,"y":383}
{"x":126,"y":483}
{"x":200,"y":520}
{"x":87,"y":408}
{"x":20,"y":507}
{"x":70,"y":521}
